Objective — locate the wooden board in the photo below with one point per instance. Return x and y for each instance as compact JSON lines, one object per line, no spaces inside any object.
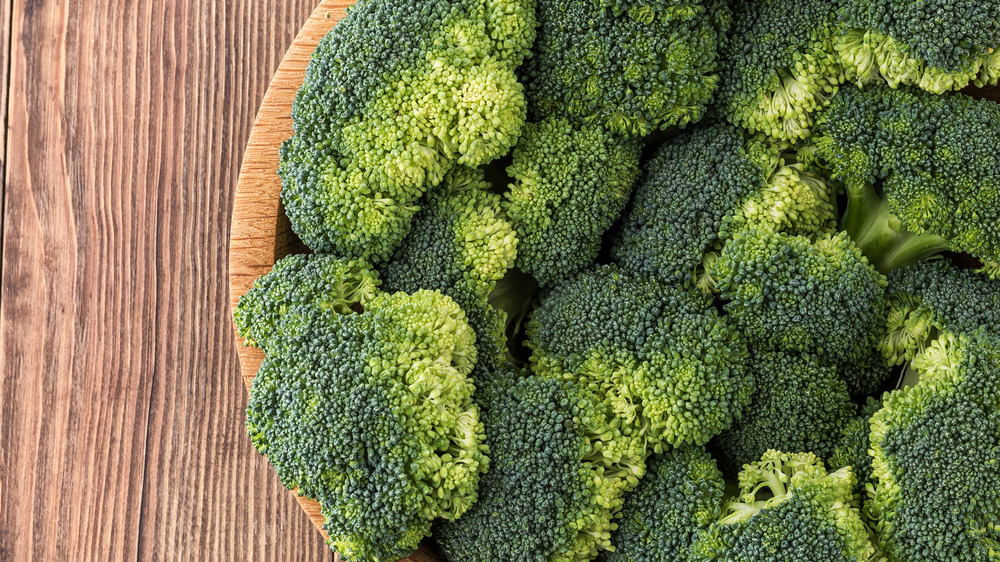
{"x":260,"y":232}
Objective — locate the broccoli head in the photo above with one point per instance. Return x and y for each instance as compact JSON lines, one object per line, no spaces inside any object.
{"x":791,"y":293}
{"x":934,"y":446}
{"x":322,"y":282}
{"x":937,"y":45}
{"x":560,"y":464}
{"x":703,"y":186}
{"x":920,"y":170}
{"x":396,"y":95}
{"x":664,"y":358}
{"x":789,"y":509}
{"x":800,"y":404}
{"x":680,"y":495}
{"x":371,"y":414}
{"x":779,"y":65}
{"x":570,"y":184}
{"x":630,"y":66}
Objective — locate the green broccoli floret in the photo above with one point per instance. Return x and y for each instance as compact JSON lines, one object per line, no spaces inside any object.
{"x":920,"y":170}
{"x":371,"y":414}
{"x":632,"y":66}
{"x":852,"y":449}
{"x":460,"y":244}
{"x":790,"y":509}
{"x":934,"y":446}
{"x":787,"y":292}
{"x":560,"y":464}
{"x":570,"y":184}
{"x":396,"y":95}
{"x":680,"y":495}
{"x":779,"y":65}
{"x":323,"y":282}
{"x":937,"y":45}
{"x":665,"y":360}
{"x":703,"y":186}
{"x":931,"y":298}
{"x":800,"y":405}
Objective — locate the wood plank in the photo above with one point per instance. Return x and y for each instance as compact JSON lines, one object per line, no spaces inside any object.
{"x":120,"y":403}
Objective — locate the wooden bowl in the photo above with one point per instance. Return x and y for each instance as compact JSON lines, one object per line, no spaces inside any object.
{"x":261,"y":234}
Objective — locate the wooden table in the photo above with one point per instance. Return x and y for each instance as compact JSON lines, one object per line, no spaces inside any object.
{"x":121,"y":432}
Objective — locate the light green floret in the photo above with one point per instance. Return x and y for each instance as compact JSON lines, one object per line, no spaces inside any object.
{"x":789,"y":508}
{"x":371,"y":414}
{"x":323,"y":282}
{"x":570,"y":184}
{"x":396,"y":95}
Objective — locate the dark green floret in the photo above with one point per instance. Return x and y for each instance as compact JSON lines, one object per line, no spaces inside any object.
{"x":322,"y":282}
{"x":371,"y":414}
{"x":667,"y":363}
{"x":560,"y":464}
{"x":570,"y":184}
{"x":937,"y":45}
{"x":630,"y":66}
{"x":789,"y":509}
{"x":800,"y":405}
{"x":396,"y":95}
{"x":779,"y":65}
{"x":680,"y":495}
{"x":921,"y":172}
{"x":852,"y":449}
{"x":934,"y":449}
{"x":791,"y":293}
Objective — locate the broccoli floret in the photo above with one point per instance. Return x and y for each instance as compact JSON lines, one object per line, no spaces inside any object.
{"x":937,"y":45}
{"x":323,"y":282}
{"x":680,"y":495}
{"x":560,"y":464}
{"x":789,"y":509}
{"x":931,"y":298}
{"x":630,"y":66}
{"x":852,"y":449}
{"x":570,"y":184}
{"x":667,"y":362}
{"x":800,"y":405}
{"x":396,"y":95}
{"x":371,"y":414}
{"x":703,"y":186}
{"x":787,"y":292}
{"x":460,"y":244}
{"x":920,"y":170}
{"x":779,"y":65}
{"x":934,"y":447}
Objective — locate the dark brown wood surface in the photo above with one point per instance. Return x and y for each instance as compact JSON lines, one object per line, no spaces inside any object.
{"x":121,"y":434}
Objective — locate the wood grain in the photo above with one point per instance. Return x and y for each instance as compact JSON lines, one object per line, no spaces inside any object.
{"x":120,"y":406}
{"x":260,"y":233}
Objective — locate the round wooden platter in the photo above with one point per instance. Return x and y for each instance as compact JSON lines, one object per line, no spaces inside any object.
{"x":260,"y":233}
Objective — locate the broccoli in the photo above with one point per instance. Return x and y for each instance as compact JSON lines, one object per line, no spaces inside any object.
{"x":631,"y":66}
{"x":322,"y":282}
{"x":936,"y":493}
{"x":920,"y":171}
{"x":791,"y":293}
{"x":570,"y":185}
{"x":680,"y":495}
{"x":371,"y":415}
{"x":779,"y":65}
{"x":396,"y":95}
{"x":703,"y":186}
{"x":937,"y":45}
{"x":667,"y":362}
{"x":460,"y":244}
{"x":800,"y":405}
{"x":789,"y":509}
{"x":931,"y":298}
{"x":853,"y":445}
{"x":560,"y":464}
